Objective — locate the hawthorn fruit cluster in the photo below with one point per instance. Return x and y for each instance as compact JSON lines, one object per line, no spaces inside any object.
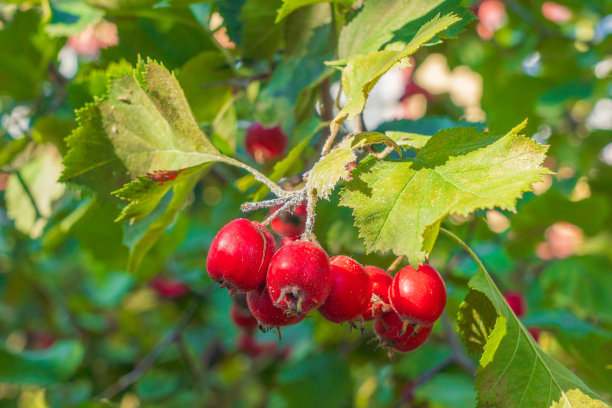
{"x":282,"y":286}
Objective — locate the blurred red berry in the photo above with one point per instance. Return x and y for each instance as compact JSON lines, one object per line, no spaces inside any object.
{"x":168,"y":288}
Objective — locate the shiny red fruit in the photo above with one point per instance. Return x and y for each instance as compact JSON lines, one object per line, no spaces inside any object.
{"x":299,"y":278}
{"x":264,"y":144}
{"x":239,"y":255}
{"x":289,"y":224}
{"x":240,"y":313}
{"x":389,"y":327}
{"x":418,"y":295}
{"x":381,"y":280}
{"x":168,"y":288}
{"x":263,"y":309}
{"x":351,"y":291}
{"x":517,"y":303}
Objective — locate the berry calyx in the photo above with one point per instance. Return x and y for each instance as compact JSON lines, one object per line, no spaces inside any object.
{"x":517,"y":303}
{"x":265,"y":144}
{"x":289,"y":224}
{"x":418,"y":296}
{"x":381,"y":280}
{"x":299,"y":277}
{"x":239,"y":255}
{"x":351,"y":291}
{"x":240,"y":313}
{"x":263,"y":309}
{"x":393,"y":332}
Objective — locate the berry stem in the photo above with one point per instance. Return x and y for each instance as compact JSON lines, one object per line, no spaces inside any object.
{"x":311,"y":202}
{"x":467,"y":249}
{"x":395,"y":264}
{"x":275,"y":188}
{"x":252,"y":206}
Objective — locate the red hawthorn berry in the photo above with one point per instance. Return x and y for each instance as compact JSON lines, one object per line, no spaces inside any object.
{"x":240,"y":313}
{"x":351,"y":291}
{"x":247,"y":344}
{"x":168,"y":288}
{"x":263,"y":309}
{"x":265,"y":144}
{"x":239,"y":255}
{"x":381,"y":280}
{"x":40,"y":340}
{"x":389,"y":327}
{"x":418,"y":296}
{"x":289,"y":224}
{"x":517,"y":303}
{"x":299,"y":277}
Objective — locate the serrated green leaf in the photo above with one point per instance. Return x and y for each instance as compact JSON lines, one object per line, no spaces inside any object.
{"x":383,"y":18}
{"x":362,"y":72}
{"x":458,"y":171}
{"x":145,"y":233}
{"x":142,"y":126}
{"x":410,"y":140}
{"x":332,"y":167}
{"x":290,"y":6}
{"x":368,"y":138}
{"x":145,"y":192}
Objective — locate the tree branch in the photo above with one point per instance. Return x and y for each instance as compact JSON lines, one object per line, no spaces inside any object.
{"x":28,"y":193}
{"x":147,"y":362}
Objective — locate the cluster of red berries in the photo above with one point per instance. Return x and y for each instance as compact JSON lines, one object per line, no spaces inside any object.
{"x":283,"y":286}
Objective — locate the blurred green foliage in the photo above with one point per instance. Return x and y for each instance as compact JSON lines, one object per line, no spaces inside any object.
{"x":78,"y":330}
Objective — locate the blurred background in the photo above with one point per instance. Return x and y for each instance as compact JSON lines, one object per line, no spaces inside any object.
{"x":77,"y":326}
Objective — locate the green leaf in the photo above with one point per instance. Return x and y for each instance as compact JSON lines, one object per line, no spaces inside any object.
{"x":142,"y":126}
{"x":448,"y":390}
{"x":514,"y":371}
{"x":383,"y":18}
{"x":44,"y":367}
{"x":362,"y":72}
{"x":580,"y":284}
{"x":40,"y":179}
{"x":71,"y":17}
{"x":333,"y":167}
{"x":141,"y":236}
{"x":261,"y":37}
{"x":326,"y":373}
{"x":291,"y":5}
{"x":198,"y":77}
{"x":409,"y":140}
{"x":25,"y":52}
{"x":415,"y":133}
{"x":458,"y":171}
{"x":310,"y":38}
